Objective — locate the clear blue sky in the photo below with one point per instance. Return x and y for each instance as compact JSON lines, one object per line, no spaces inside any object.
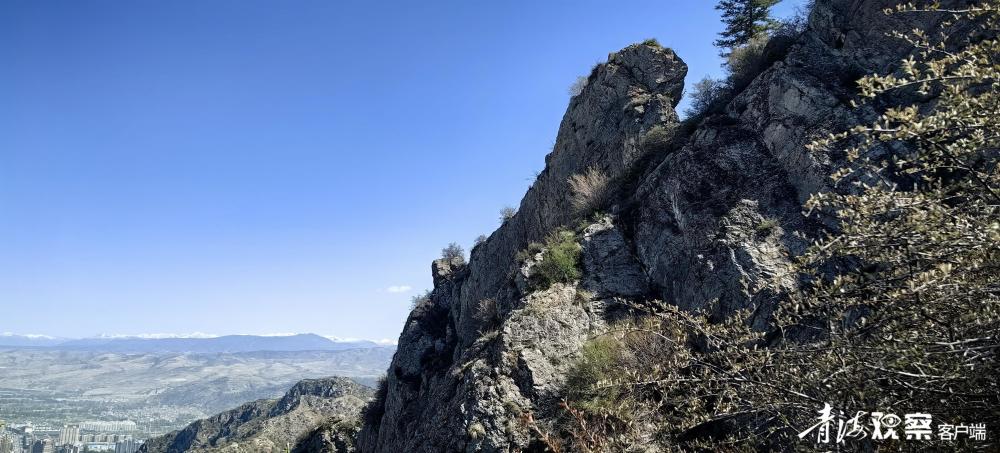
{"x":276,"y":166}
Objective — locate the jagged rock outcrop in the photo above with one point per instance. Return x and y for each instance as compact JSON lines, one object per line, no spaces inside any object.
{"x":457,"y":384}
{"x":706,"y":220}
{"x":304,"y":414}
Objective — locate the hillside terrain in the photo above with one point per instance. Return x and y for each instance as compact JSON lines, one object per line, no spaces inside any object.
{"x":271,"y":425}
{"x":164,"y":390}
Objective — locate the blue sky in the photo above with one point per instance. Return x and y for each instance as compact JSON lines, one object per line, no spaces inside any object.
{"x":272,"y":166}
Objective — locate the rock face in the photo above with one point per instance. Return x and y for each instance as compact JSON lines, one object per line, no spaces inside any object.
{"x":706,"y":218}
{"x":455,"y":382}
{"x":306,"y":412}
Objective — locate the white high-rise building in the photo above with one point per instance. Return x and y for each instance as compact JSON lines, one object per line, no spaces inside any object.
{"x":69,"y":435}
{"x":127,"y":446}
{"x":7,"y":443}
{"x":109,"y":427}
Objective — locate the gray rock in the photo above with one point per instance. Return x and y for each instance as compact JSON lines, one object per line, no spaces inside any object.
{"x":269,"y":425}
{"x":610,"y":268}
{"x":709,"y":224}
{"x":438,"y":394}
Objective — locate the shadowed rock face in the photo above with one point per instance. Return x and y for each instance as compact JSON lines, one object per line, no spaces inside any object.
{"x":270,"y":425}
{"x":447,"y":379}
{"x":706,"y":222}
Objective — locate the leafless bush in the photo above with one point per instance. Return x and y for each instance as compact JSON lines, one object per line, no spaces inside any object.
{"x":420,"y":299}
{"x":453,"y":252}
{"x":577,"y":87}
{"x":707,"y":95}
{"x":589,"y":191}
{"x":507,"y":213}
{"x":487,"y":314}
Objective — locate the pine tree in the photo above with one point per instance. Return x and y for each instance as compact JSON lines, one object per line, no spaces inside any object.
{"x":744,"y":19}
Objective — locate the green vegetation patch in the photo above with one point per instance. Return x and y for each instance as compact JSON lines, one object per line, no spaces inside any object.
{"x":560,"y":260}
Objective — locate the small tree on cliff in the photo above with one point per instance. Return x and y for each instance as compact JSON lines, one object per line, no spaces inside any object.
{"x":453,"y":252}
{"x":744,"y":19}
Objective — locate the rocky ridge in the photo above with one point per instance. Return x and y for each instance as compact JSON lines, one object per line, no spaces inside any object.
{"x":706,"y":217}
{"x":307,"y":410}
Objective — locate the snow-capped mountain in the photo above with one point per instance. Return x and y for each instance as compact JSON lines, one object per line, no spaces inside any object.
{"x":28,"y":340}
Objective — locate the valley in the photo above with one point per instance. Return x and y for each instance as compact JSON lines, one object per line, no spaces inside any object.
{"x":160,"y":391}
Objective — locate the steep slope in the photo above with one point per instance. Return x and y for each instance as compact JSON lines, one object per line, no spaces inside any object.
{"x":269,"y":425}
{"x":703,"y":217}
{"x":448,"y":382}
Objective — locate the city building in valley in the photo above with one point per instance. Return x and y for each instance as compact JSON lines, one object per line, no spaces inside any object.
{"x":43,"y":446}
{"x":69,"y":435}
{"x":7,"y":443}
{"x":127,"y":446}
{"x":109,"y":426}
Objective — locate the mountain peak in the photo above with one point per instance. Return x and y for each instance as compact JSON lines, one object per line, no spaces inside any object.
{"x":271,"y":425}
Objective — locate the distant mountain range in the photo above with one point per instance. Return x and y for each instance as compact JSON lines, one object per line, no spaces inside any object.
{"x":190,"y":344}
{"x":10,"y":339}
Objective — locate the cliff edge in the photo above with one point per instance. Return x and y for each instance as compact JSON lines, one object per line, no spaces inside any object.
{"x":703,"y":216}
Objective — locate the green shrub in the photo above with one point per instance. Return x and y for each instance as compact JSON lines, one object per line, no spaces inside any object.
{"x":600,"y":362}
{"x":560,"y":260}
{"x":655,"y":371}
{"x":530,"y":252}
{"x":766,"y":226}
{"x":652,"y":42}
{"x":657,"y":138}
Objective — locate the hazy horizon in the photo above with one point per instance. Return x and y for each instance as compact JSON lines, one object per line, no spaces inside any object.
{"x":192,"y":335}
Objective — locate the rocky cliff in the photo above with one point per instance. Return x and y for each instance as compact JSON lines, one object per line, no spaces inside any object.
{"x":703,"y":216}
{"x":310,"y":409}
